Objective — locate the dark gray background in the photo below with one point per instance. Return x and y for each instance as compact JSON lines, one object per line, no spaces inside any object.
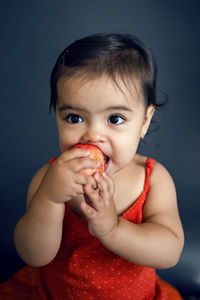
{"x":32,"y":35}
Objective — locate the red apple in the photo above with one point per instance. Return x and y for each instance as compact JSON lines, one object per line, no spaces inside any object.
{"x":95,"y":153}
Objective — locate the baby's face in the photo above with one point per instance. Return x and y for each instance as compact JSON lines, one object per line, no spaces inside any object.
{"x":99,"y":113}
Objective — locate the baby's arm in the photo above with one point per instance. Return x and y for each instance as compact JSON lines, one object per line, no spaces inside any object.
{"x":158,"y":241}
{"x":38,"y":232}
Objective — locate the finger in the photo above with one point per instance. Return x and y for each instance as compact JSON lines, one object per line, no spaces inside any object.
{"x":94,"y":198}
{"x":77,"y":189}
{"x":87,"y":210}
{"x":84,"y":163}
{"x":74,"y":153}
{"x":105,"y":185}
{"x":84,"y":179}
{"x":103,"y":188}
{"x":110,"y":181}
{"x":87,"y":200}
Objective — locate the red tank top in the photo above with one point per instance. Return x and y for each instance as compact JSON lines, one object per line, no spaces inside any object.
{"x":85,"y":269}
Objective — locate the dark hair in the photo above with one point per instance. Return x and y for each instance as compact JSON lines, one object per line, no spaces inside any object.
{"x":117,"y":55}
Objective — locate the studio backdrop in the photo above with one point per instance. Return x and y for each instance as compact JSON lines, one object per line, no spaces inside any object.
{"x":32,"y":35}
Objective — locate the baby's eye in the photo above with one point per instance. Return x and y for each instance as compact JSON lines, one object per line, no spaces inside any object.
{"x":73,"y":118}
{"x":116,"y":119}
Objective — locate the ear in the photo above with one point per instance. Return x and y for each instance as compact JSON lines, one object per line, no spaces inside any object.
{"x":147,"y":119}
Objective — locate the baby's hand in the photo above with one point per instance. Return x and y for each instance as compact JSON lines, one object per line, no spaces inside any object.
{"x":63,"y":180}
{"x":96,"y":154}
{"x":99,"y":207}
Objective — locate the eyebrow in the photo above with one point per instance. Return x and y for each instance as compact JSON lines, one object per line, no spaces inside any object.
{"x":117,"y":107}
{"x":68,"y":107}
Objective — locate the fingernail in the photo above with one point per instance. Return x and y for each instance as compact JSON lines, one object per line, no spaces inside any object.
{"x":88,"y":187}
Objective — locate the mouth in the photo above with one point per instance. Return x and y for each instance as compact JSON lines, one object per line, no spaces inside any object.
{"x":106,"y":162}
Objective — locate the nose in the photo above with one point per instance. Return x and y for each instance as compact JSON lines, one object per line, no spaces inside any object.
{"x":93,"y":135}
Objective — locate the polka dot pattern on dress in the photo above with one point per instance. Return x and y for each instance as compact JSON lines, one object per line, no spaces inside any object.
{"x":85,"y":269}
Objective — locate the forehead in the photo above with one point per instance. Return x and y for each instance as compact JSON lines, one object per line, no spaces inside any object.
{"x":99,"y":89}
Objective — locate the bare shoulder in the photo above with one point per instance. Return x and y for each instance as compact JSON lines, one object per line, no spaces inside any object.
{"x":161,"y":176}
{"x":35,"y":182}
{"x":162,"y":192}
{"x":159,"y":172}
{"x":161,"y":204}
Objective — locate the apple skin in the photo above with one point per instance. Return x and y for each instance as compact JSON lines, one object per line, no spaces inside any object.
{"x":95,"y":153}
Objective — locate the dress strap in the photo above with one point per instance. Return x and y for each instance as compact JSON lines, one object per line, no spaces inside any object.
{"x":134,"y":213}
{"x":149,"y":166}
{"x":52,"y":160}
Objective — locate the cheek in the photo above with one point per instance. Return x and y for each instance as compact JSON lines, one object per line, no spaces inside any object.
{"x":129,"y":138}
{"x":125,"y":148}
{"x":66,"y":139}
